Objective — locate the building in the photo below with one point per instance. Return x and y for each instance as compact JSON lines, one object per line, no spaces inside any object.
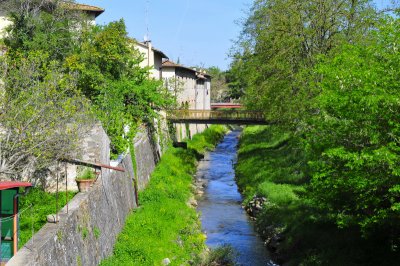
{"x":92,"y":12}
{"x":153,"y":58}
{"x":192,"y":88}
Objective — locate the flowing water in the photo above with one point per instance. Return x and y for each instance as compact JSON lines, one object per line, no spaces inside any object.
{"x":222,"y":217}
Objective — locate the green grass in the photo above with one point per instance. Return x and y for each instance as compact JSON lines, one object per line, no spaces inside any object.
{"x":43,"y":204}
{"x":280,"y":194}
{"x":86,"y":174}
{"x":206,"y":141}
{"x":164,"y":226}
{"x":272,"y":164}
{"x":268,"y":156}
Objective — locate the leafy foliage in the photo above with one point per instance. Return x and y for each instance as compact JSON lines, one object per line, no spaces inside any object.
{"x":355,"y":178}
{"x":98,"y":61}
{"x":42,"y":115}
{"x":42,"y":26}
{"x":272,"y":165}
{"x":332,"y":83}
{"x":219,"y":92}
{"x":110,"y":76}
{"x":279,"y":45}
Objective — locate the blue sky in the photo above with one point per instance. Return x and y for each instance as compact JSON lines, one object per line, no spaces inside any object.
{"x":199,"y":33}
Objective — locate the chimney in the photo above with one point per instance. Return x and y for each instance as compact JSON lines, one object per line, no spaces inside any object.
{"x":150,"y":54}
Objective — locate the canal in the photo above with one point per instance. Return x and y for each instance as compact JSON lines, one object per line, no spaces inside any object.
{"x":222,"y":217}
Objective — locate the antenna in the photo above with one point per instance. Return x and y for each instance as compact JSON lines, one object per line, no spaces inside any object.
{"x":147,"y":36}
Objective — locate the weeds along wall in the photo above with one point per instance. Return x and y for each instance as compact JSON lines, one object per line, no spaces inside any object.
{"x":88,"y":227}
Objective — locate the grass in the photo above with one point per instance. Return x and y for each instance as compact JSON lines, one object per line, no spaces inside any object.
{"x":35,"y":207}
{"x":165,"y":226}
{"x":86,"y":174}
{"x":272,"y":164}
{"x":268,"y":158}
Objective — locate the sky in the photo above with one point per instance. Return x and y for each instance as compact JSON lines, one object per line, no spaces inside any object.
{"x":197,"y":32}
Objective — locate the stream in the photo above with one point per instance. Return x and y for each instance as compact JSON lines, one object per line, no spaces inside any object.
{"x":222,"y":217}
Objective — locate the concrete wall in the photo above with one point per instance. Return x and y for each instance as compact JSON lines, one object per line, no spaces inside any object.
{"x":86,"y":233}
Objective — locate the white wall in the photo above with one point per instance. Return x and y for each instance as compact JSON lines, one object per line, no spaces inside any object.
{"x":190,"y":88}
{"x":4,"y":22}
{"x":151,"y":59}
{"x":207,"y":97}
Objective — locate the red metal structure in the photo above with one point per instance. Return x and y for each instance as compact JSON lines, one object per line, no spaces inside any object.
{"x":225,"y":105}
{"x":9,"y":193}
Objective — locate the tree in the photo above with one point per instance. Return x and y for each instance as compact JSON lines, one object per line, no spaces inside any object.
{"x":42,"y":116}
{"x":110,"y":76}
{"x":46,"y":26}
{"x":353,"y":139}
{"x":219,"y":87}
{"x":280,"y":43}
{"x":175,"y":86}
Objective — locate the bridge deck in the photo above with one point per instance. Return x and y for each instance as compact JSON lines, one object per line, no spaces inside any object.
{"x":240,"y":117}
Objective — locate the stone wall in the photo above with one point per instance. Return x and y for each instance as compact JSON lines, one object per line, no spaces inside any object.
{"x":94,"y":147}
{"x":88,"y":226}
{"x":87,"y":232}
{"x":145,"y":157}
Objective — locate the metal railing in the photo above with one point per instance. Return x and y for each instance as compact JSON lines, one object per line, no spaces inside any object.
{"x":223,"y":116}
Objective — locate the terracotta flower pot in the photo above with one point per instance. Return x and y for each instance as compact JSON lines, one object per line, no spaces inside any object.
{"x":84,"y":184}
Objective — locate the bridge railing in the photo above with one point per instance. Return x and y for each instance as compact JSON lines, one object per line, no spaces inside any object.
{"x":233,"y":115}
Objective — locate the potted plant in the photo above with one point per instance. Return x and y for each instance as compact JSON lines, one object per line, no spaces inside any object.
{"x":85,"y":179}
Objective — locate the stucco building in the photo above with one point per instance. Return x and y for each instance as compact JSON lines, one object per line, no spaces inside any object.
{"x":153,"y":58}
{"x":192,"y":88}
{"x":191,"y":85}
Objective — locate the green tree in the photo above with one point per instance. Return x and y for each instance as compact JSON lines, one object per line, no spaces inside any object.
{"x":219,"y":86}
{"x":280,"y":42}
{"x":42,"y":116}
{"x":353,"y":140}
{"x":119,"y":89}
{"x":46,"y":26}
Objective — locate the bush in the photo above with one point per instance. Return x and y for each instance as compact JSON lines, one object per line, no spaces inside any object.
{"x":220,"y":256}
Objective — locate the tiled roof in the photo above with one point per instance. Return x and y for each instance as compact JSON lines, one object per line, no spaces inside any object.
{"x":200,"y":74}
{"x":172,"y":64}
{"x":84,"y":7}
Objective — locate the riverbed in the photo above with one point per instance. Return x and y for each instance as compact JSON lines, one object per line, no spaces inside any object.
{"x":222,"y":217}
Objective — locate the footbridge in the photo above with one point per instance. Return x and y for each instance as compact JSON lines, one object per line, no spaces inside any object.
{"x":239,"y":117}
